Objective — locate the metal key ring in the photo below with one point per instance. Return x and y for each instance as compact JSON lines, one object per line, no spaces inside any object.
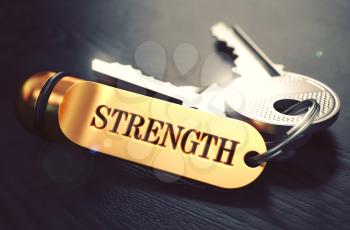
{"x":293,"y":133}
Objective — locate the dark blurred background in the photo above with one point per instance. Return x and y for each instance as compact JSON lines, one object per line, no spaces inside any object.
{"x":47,"y":185}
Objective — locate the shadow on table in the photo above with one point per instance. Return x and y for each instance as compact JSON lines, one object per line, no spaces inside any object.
{"x":95,"y":174}
{"x":312,"y":165}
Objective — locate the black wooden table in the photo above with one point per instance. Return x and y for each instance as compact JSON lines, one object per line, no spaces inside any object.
{"x":47,"y":185}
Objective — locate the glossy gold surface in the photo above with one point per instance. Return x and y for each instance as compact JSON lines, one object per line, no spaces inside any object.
{"x":78,"y":108}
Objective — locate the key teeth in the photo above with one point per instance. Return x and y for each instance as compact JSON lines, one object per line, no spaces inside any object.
{"x":220,"y":36}
{"x":134,"y":76}
{"x":131,"y":68}
{"x":135,"y":70}
{"x":221,"y":32}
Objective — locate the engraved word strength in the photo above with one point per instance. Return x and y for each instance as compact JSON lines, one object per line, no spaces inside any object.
{"x":164,"y":134}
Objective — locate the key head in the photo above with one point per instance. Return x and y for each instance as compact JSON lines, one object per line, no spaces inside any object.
{"x":261,"y":102}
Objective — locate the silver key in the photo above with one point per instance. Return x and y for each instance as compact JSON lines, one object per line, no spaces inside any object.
{"x":189,"y":96}
{"x":265,"y":89}
{"x":115,"y":71}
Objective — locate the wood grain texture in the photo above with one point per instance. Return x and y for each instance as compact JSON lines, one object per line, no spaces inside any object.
{"x":46,"y":185}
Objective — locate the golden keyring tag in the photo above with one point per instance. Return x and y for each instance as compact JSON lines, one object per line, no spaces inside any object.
{"x":163,"y":135}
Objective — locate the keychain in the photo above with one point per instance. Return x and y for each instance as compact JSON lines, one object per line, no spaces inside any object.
{"x":155,"y":132}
